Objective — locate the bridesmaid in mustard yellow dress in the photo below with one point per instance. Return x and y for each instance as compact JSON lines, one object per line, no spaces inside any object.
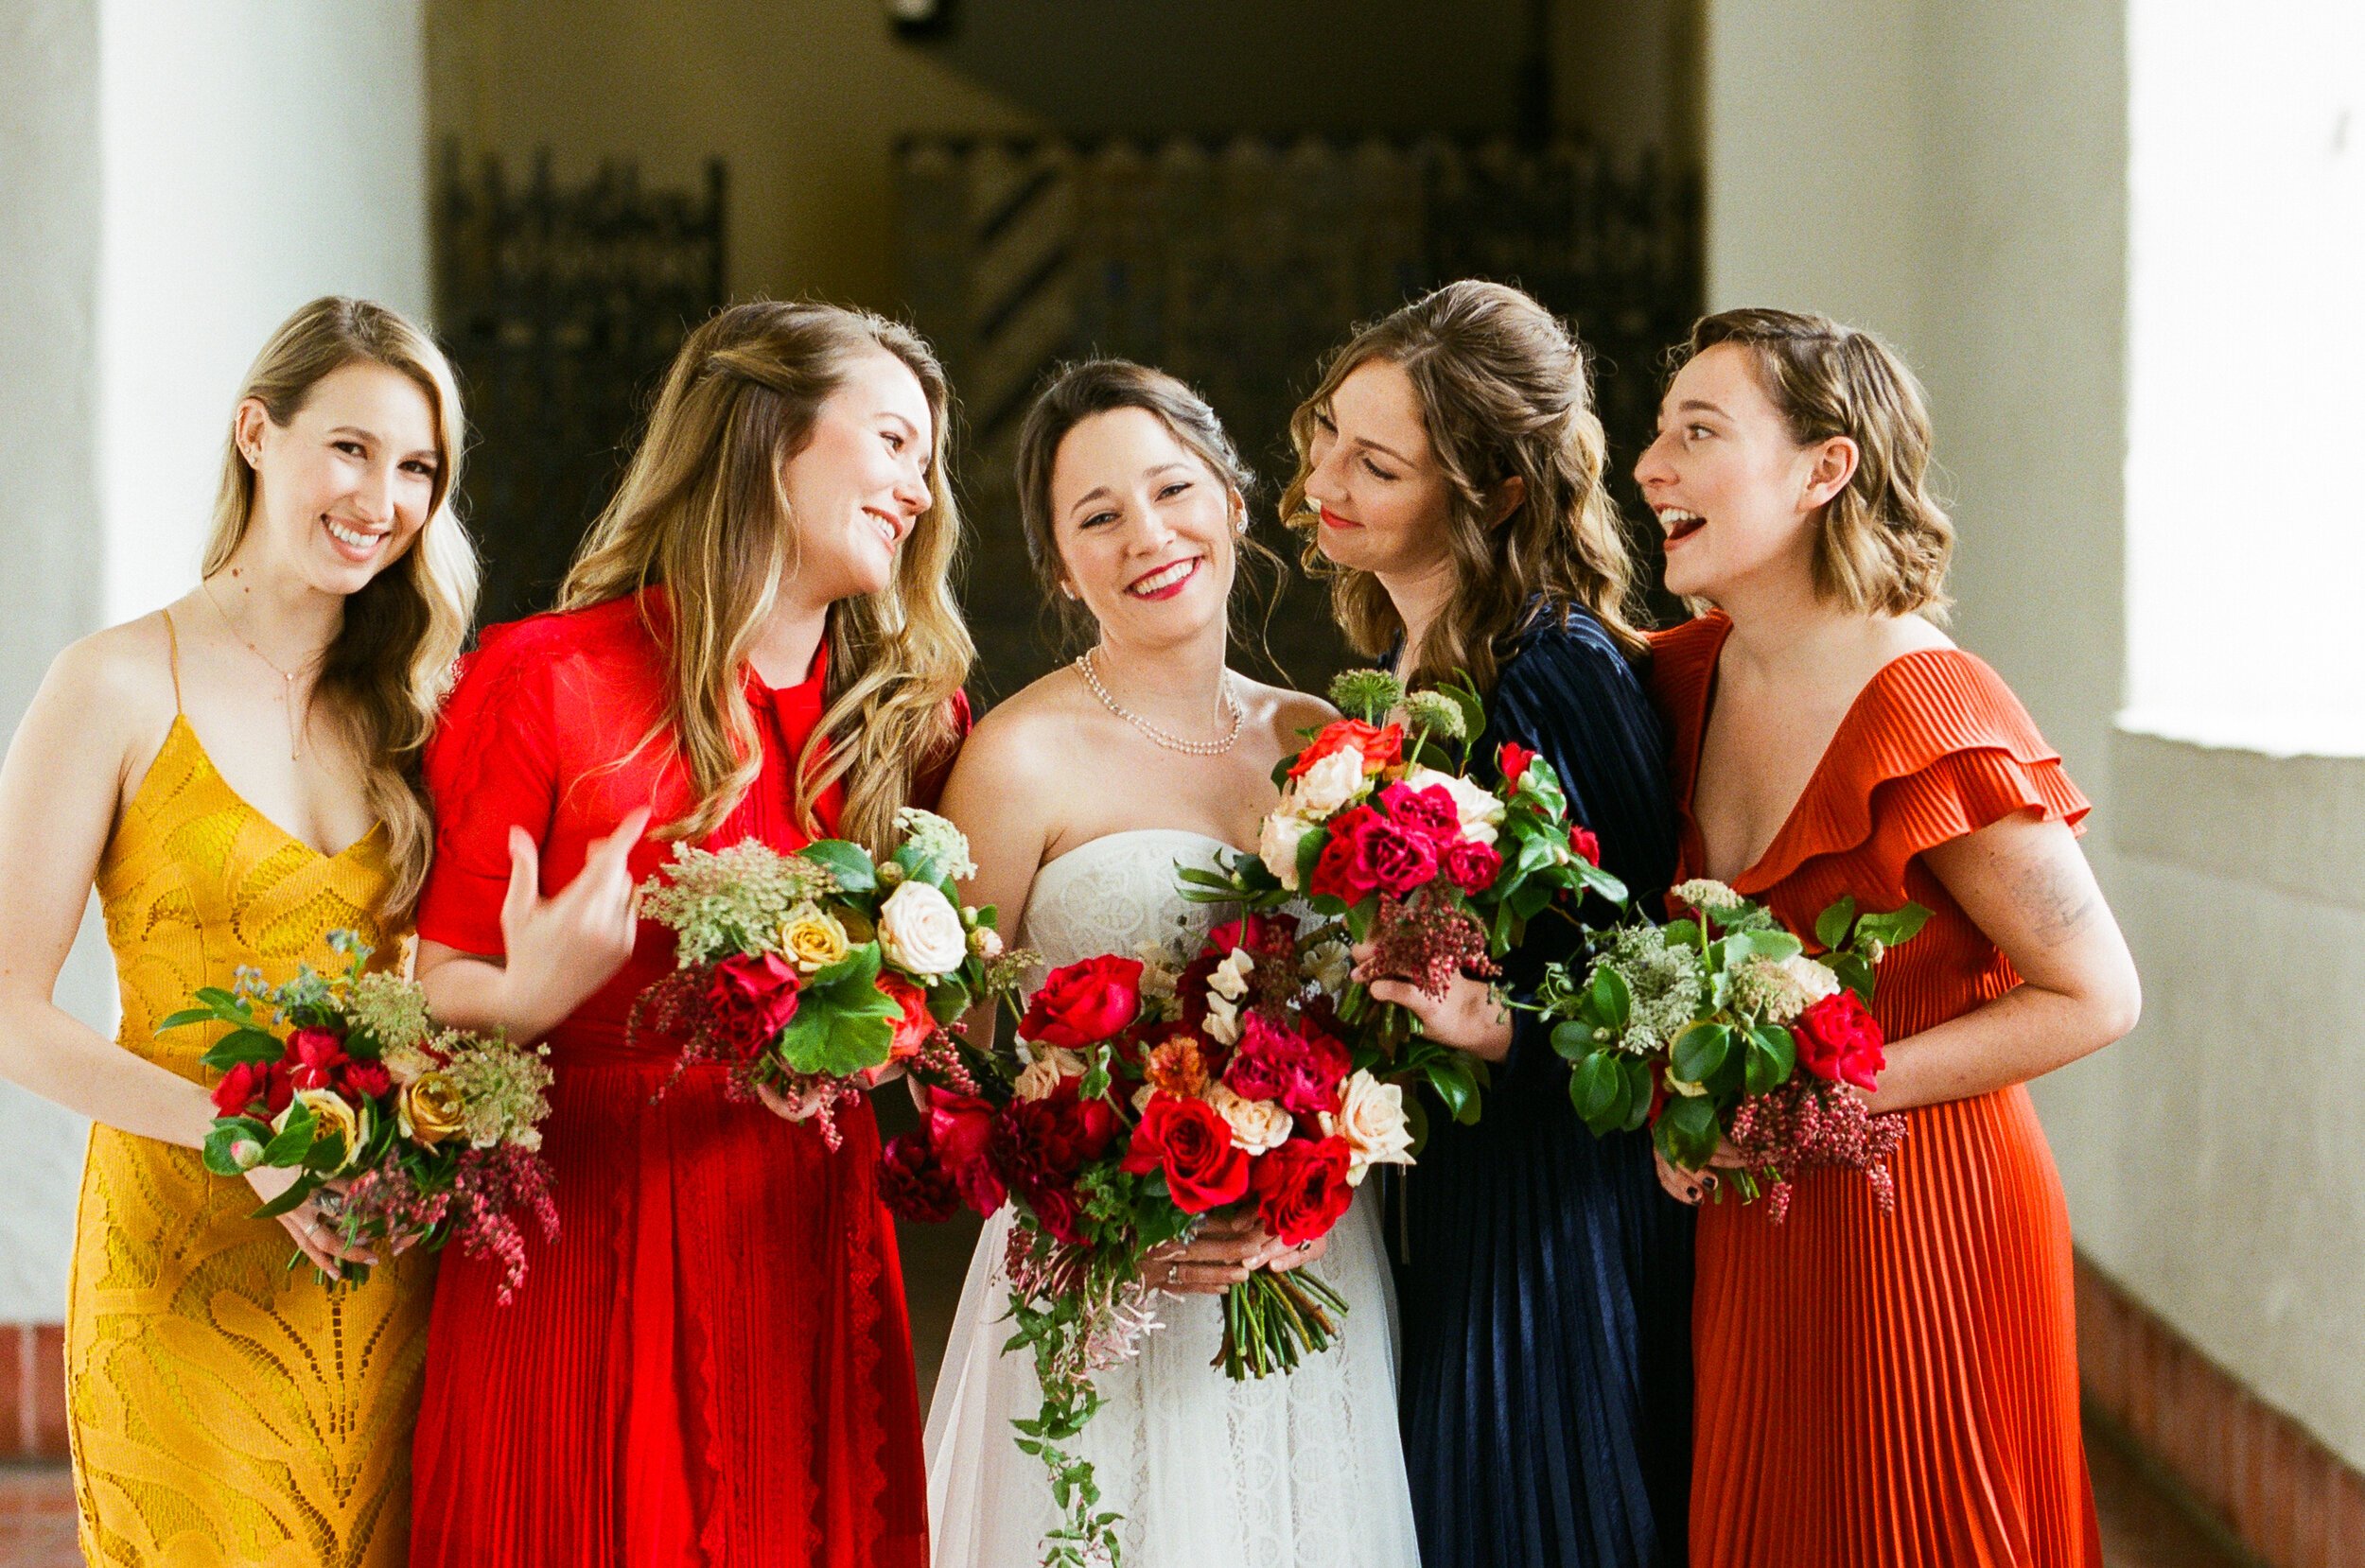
{"x":239,"y":777}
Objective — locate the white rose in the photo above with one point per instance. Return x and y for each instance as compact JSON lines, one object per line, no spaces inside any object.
{"x":1230,"y":981}
{"x":1223,"y":1020}
{"x":1477,"y":808}
{"x":1278,"y":847}
{"x":921,"y":931}
{"x":1329,"y":784}
{"x":1371,"y":1118}
{"x":1257,"y":1125}
{"x":1811,"y":978}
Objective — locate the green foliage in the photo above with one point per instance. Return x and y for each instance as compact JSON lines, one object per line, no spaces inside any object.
{"x":843,"y":1023}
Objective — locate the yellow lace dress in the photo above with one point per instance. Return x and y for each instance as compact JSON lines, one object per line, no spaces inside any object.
{"x":224,"y":1409}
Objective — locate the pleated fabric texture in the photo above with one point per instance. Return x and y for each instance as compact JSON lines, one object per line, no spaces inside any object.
{"x":713,"y":1364}
{"x":1894,"y":1390}
{"x":1546,"y":1279}
{"x":222,"y":1408}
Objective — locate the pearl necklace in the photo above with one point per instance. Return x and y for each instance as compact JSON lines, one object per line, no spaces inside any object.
{"x":286,"y":677}
{"x":1172,"y":743}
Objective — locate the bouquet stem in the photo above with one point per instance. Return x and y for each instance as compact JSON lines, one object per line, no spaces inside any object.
{"x":1270,"y":1322}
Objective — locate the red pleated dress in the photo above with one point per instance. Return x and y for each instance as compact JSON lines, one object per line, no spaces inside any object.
{"x":712,"y":1363}
{"x":1893,"y":1390}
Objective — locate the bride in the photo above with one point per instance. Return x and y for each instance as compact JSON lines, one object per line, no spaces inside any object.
{"x":1080,"y":796}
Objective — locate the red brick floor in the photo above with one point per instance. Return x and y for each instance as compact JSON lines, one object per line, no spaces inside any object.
{"x":2140,"y":1528}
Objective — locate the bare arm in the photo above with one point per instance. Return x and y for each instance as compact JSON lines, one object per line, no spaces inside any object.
{"x":2027,"y":885}
{"x":60,"y":790}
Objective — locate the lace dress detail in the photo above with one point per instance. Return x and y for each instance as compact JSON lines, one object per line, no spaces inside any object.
{"x":1303,"y":1470}
{"x":222,"y":1408}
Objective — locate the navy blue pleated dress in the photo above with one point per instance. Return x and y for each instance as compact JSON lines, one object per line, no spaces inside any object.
{"x":1545,"y":1278}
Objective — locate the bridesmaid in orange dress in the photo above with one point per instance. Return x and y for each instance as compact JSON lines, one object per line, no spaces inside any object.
{"x":1895,"y":1389}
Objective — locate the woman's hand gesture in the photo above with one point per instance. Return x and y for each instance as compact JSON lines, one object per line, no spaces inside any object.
{"x":562,"y":948}
{"x":1468,"y":1016}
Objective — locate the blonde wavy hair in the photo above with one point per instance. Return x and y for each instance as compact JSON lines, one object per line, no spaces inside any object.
{"x":384,"y":676}
{"x":703,"y":511}
{"x":1881,"y":545}
{"x":1504,"y":391}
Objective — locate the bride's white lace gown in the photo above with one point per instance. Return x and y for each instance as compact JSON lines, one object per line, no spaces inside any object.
{"x":1303,"y":1471}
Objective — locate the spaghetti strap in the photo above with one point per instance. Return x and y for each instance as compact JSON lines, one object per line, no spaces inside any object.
{"x":172,"y":639}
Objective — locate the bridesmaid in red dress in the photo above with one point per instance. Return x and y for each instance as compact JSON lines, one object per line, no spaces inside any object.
{"x":712,"y":1363}
{"x":1877,"y":1390}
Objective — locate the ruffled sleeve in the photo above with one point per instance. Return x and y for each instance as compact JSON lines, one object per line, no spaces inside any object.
{"x":492,"y":764}
{"x":1936,"y":749}
{"x":1570,"y":695}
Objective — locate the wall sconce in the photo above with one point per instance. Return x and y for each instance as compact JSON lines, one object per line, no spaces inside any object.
{"x":919,"y":18}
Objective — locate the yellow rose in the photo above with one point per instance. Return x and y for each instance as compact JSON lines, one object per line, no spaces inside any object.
{"x":429,"y":1110}
{"x":813,"y":941}
{"x":331,"y":1114}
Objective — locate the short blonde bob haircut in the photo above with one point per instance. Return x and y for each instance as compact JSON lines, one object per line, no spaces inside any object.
{"x":1882,"y":544}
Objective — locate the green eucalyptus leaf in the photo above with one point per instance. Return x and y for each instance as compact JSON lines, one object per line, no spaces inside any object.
{"x":1688,"y":1128}
{"x":288,"y":1146}
{"x":1832,"y":925}
{"x":288,"y":1201}
{"x":1612,"y":997}
{"x":242,"y":1045}
{"x":1573,"y":1041}
{"x":187,"y":1017}
{"x":226,"y":1135}
{"x":844,"y":1023}
{"x":1640,"y":1090}
{"x":1854,"y":971}
{"x":1598,"y":1089}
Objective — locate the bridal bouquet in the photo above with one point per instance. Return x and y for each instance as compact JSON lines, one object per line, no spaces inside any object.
{"x":1136,"y":1099}
{"x":419,"y":1134}
{"x":1382,"y":825}
{"x":808,"y":973}
{"x":1699,"y":1027}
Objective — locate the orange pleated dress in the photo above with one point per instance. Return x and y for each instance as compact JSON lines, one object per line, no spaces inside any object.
{"x":1892,"y":1391}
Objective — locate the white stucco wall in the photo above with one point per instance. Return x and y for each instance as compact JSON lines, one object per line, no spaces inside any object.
{"x":1957,"y":177}
{"x":177,"y":179}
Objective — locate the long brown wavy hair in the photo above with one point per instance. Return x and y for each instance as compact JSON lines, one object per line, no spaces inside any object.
{"x":703,"y":511}
{"x":1504,"y":390}
{"x":385,"y":674}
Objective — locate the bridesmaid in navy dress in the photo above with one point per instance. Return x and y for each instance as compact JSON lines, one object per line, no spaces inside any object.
{"x":1450,"y":470}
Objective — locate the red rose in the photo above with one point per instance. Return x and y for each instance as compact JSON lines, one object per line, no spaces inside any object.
{"x":1839,"y":1040}
{"x":1513,"y":759}
{"x":912,"y":1183}
{"x":1583,"y":844}
{"x":1040,"y":1145}
{"x":750,"y":998}
{"x":959,"y":1129}
{"x":1057,"y":1210}
{"x":915,"y":1025}
{"x":1303,"y":1071}
{"x":1084,"y":1003}
{"x":1337,"y":874}
{"x":1390,"y":858}
{"x":1191,"y":1142}
{"x":1302,"y":1188}
{"x":313,"y":1056}
{"x":1470,"y":865}
{"x":369,"y":1080}
{"x":244,"y":1083}
{"x":1428,"y":814}
{"x":1380,"y":747}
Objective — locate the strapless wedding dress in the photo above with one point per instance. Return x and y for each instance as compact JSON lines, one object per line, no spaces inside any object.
{"x":1302,"y":1471}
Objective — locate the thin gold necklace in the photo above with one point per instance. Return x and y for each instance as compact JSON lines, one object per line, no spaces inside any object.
{"x":286,"y":677}
{"x":1172,"y":743}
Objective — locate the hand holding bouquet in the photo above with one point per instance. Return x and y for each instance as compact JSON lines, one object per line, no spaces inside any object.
{"x":1136,"y":1100}
{"x":1699,"y":1027}
{"x":419,"y":1135}
{"x":809,"y":973}
{"x":1382,"y":825}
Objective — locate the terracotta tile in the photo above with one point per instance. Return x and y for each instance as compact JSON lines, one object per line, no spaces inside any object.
{"x":49,"y":1392}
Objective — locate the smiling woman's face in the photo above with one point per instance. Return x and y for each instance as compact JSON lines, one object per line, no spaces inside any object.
{"x":861,"y":482}
{"x":1144,"y":528}
{"x":1730,"y":488}
{"x":343,"y":489}
{"x":1382,"y":496}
